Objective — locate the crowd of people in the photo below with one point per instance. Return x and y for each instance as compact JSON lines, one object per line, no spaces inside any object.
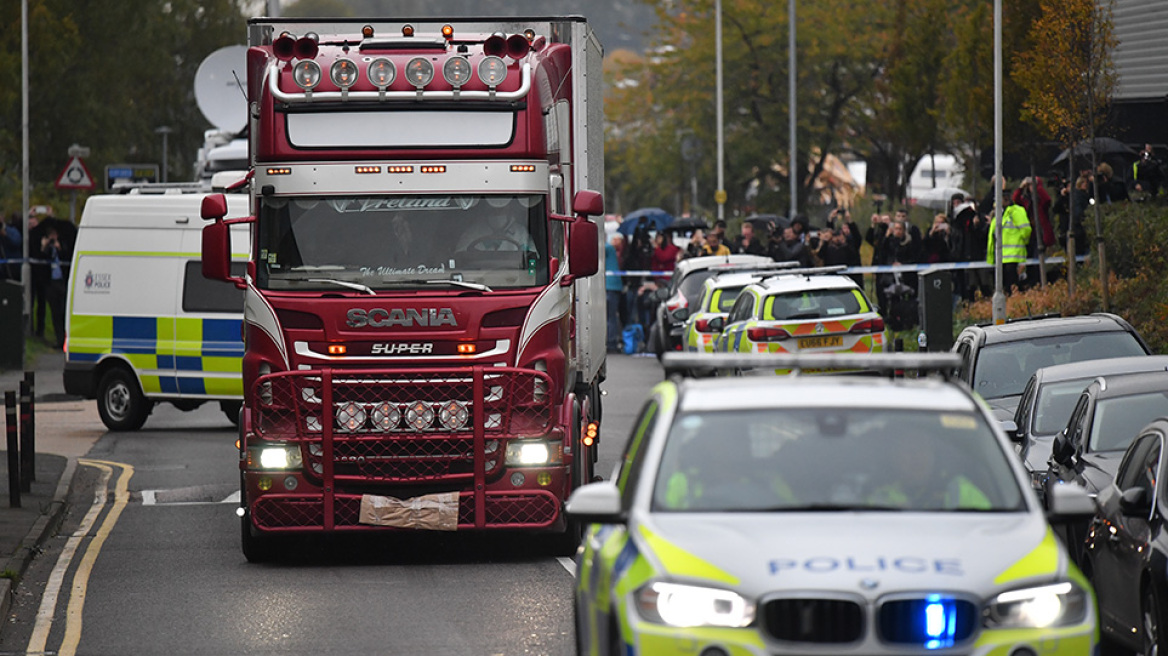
{"x":50,"y":254}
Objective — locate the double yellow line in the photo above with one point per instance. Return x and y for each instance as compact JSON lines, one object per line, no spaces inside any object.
{"x":44,"y":620}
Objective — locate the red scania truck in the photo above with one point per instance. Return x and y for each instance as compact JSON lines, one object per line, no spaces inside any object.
{"x":424,"y":330}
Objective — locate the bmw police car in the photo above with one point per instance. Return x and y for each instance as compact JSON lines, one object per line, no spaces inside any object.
{"x":824,"y":515}
{"x":795,"y":313}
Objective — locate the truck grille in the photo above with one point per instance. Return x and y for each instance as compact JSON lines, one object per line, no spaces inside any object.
{"x":531,"y":509}
{"x":823,"y":621}
{"x":411,"y":426}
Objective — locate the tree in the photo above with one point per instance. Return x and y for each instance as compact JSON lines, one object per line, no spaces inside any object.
{"x":106,"y":74}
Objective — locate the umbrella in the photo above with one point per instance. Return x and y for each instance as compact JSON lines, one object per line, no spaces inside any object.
{"x":688,"y":224}
{"x":938,"y":198}
{"x":1103,"y":146}
{"x":655,"y":219}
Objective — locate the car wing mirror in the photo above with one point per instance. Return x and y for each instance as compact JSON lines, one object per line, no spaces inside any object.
{"x":1069,"y":503}
{"x":681,"y":314}
{"x":1061,"y":450}
{"x":1010,"y":427}
{"x":717,"y":324}
{"x":1134,"y":501}
{"x":596,"y":503}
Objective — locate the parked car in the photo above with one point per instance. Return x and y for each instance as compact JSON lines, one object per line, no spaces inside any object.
{"x":997,"y":360}
{"x":1050,"y":397}
{"x":778,"y":515}
{"x":1108,"y":415}
{"x":682,"y":293}
{"x":801,"y":312}
{"x":1126,"y":553}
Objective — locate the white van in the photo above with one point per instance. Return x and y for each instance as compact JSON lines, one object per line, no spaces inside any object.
{"x":142,"y":323}
{"x":939,"y":171}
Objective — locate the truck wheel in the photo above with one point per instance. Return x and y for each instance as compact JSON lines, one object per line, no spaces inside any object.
{"x":256,"y":548}
{"x":232,"y":410}
{"x":566,"y":543}
{"x":120,"y":401}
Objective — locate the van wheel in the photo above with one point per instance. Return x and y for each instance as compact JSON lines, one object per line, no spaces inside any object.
{"x":231,"y":409}
{"x":120,"y":401}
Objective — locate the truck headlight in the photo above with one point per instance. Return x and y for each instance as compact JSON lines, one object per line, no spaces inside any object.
{"x":1060,"y":604}
{"x":532,"y":453}
{"x":275,"y":456}
{"x":691,"y":605}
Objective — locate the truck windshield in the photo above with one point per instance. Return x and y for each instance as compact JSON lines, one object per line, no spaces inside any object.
{"x":396,"y":242}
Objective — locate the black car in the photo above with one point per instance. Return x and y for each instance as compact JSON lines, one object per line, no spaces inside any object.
{"x":1108,"y":415}
{"x":1126,"y":551}
{"x":997,"y":360}
{"x":1050,"y":397}
{"x":667,"y":332}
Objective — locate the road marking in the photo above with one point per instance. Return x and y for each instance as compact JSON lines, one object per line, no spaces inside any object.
{"x":568,"y":564}
{"x":44,"y":621}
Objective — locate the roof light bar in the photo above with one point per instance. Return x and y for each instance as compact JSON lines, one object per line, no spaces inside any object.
{"x":943,"y":363}
{"x":492,"y":74}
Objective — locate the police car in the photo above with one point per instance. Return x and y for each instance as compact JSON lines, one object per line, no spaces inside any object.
{"x":812,"y":310}
{"x":826,"y":515}
{"x":717,"y":297}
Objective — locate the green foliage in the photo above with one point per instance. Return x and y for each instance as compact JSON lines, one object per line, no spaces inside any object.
{"x":1136,"y":234}
{"x":105,"y":74}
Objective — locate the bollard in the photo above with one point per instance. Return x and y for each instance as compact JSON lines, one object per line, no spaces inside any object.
{"x":27,"y":441}
{"x":13,"y":450}
{"x":30,"y":377}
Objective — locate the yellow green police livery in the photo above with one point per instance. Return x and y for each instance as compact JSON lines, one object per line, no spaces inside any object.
{"x":824,"y":515}
{"x":717,"y":297}
{"x":802,"y":313}
{"x":143,"y":325}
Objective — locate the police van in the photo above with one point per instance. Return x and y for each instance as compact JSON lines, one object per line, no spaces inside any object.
{"x":143,"y":325}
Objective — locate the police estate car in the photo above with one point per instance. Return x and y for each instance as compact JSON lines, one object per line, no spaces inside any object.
{"x":788,"y":313}
{"x":825,"y":515}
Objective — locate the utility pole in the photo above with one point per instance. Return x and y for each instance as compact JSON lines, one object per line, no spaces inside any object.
{"x":720,"y":193}
{"x":999,"y":301}
{"x":795,"y":177}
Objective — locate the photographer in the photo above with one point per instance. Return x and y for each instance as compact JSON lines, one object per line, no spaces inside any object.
{"x":939,"y":241}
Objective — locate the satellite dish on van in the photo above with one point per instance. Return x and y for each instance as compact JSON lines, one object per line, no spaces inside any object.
{"x":217,"y":89}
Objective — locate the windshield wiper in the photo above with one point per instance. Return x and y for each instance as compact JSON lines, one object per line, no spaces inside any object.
{"x":459,"y":283}
{"x":345,"y":283}
{"x":834,"y":507}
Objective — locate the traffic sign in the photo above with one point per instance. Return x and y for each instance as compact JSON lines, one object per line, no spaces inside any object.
{"x":130,"y":173}
{"x":75,"y":175}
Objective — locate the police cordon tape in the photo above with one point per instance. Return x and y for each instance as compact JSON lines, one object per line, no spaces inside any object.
{"x":882,"y":268}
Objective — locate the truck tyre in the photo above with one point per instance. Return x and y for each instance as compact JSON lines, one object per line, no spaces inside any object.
{"x":566,"y":543}
{"x":657,"y":340}
{"x":232,"y":410}
{"x":120,"y":401}
{"x":256,"y":548}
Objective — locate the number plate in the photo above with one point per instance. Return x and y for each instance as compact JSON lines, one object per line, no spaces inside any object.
{"x":820,"y":342}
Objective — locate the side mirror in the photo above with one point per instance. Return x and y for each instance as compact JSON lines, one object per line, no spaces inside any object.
{"x":596,"y":503}
{"x":1069,"y":503}
{"x":214,"y":207}
{"x":1134,"y":501}
{"x":1011,"y":430}
{"x":583,"y":249}
{"x":1061,"y":450}
{"x":717,"y":324}
{"x":681,"y":314}
{"x":216,"y":250}
{"x":588,"y":203}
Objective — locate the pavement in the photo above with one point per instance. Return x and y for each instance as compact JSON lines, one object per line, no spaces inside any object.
{"x":66,"y":427}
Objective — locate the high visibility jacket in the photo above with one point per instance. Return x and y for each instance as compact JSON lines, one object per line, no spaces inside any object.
{"x":1015,"y":229}
{"x":961,"y":493}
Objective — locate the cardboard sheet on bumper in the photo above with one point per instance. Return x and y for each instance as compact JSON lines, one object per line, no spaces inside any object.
{"x":430,"y":512}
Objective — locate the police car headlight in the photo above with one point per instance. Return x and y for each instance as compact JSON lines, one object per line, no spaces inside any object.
{"x":691,"y":605}
{"x":275,"y":456}
{"x":1061,"y":604}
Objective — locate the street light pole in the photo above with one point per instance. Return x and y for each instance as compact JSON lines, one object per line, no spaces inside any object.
{"x":720,"y":194}
{"x":25,"y":268}
{"x":794,"y":166}
{"x":999,"y":301}
{"x":164,"y":131}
